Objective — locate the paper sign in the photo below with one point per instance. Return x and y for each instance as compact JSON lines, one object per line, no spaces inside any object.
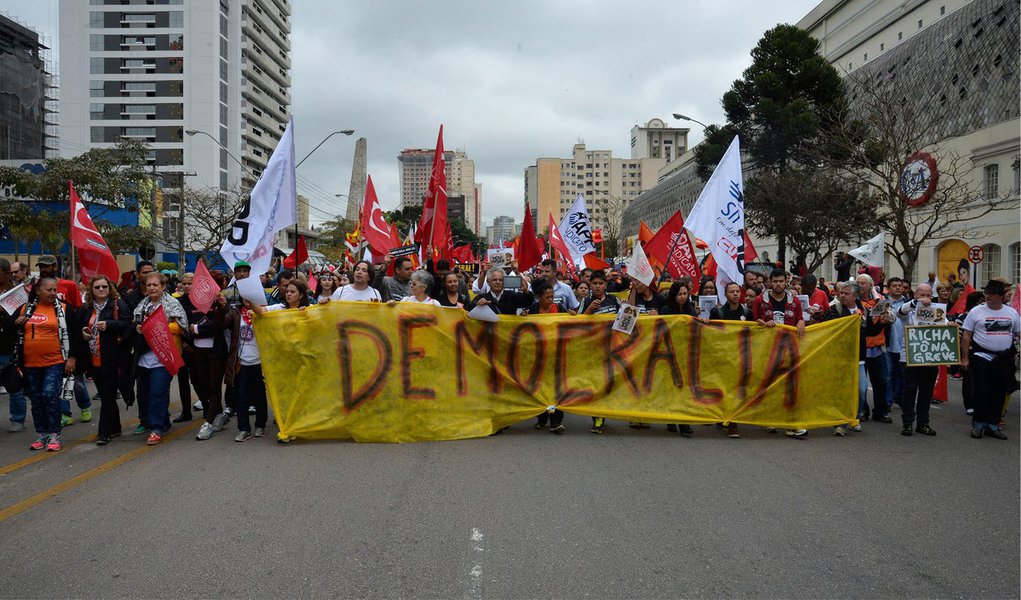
{"x":626,"y":317}
{"x":404,"y":250}
{"x":803,"y":299}
{"x":251,"y":290}
{"x":500,"y":257}
{"x":14,"y":299}
{"x":706,"y":304}
{"x":484,"y":313}
{"x":932,"y":345}
{"x":934,"y":313}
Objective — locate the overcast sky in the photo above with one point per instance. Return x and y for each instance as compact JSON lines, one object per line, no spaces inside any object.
{"x":510,"y":81}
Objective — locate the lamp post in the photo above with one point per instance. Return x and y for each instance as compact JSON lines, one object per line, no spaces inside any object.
{"x":180,"y":223}
{"x":681,"y":117}
{"x":192,"y":132}
{"x":344,"y":131}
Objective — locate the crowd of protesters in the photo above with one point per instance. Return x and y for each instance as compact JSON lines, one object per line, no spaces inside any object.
{"x":66,"y":335}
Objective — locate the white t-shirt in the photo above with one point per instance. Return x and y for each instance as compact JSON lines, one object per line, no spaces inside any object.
{"x":248,"y":349}
{"x":428,"y":300}
{"x":348,"y":292}
{"x":992,"y":329}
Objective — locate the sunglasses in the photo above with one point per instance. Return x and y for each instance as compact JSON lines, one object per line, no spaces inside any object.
{"x":100,"y":287}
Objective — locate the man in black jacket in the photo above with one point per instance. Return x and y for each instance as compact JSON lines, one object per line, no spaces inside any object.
{"x":134,"y":296}
{"x":733,"y":310}
{"x":8,"y":337}
{"x":505,"y":302}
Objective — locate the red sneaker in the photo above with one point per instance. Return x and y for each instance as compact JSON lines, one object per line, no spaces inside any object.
{"x":40,"y":442}
{"x":54,"y":444}
{"x":154,"y":438}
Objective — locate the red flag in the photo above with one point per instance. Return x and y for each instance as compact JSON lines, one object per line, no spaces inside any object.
{"x":204,"y":289}
{"x":299,"y":256}
{"x":156,"y":332}
{"x":557,"y":241}
{"x":432,"y":228}
{"x":962,"y":301}
{"x":597,"y":236}
{"x":313,"y":284}
{"x":529,"y":252}
{"x":594,"y":262}
{"x":750,"y":253}
{"x":939,"y":392}
{"x":94,"y":256}
{"x":672,"y":247}
{"x":373,"y":226}
{"x":1015,"y":300}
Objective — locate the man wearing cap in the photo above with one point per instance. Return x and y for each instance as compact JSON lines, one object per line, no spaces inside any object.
{"x":987,"y":353}
{"x":66,"y":289}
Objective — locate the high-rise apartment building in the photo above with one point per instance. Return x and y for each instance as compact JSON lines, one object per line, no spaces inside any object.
{"x":656,"y":140}
{"x":26,"y":99}
{"x":201,"y":81}
{"x":415,"y":165}
{"x":609,"y":184}
{"x":503,"y":229}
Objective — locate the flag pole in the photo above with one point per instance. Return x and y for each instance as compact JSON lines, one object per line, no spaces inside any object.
{"x":669,"y":256}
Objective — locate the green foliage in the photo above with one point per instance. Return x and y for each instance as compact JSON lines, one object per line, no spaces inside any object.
{"x":104,"y":177}
{"x":164,"y":265}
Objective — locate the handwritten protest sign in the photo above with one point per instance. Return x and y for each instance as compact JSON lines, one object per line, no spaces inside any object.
{"x":929,"y":345}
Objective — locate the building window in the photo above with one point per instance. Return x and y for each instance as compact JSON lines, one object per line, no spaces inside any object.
{"x":1015,"y":171}
{"x":176,"y":65}
{"x":176,"y":41}
{"x":919,"y":23}
{"x":97,"y":89}
{"x":96,"y":65}
{"x":991,"y":181}
{"x":96,"y":134}
{"x":990,"y":263}
{"x":900,"y":35}
{"x":96,"y":42}
{"x":95,"y":20}
{"x":882,"y":47}
{"x":95,"y":111}
{"x":866,"y":59}
{"x":1015,"y":263}
{"x":176,"y":18}
{"x":942,"y":10}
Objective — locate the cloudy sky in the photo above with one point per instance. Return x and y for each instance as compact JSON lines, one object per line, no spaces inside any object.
{"x":510,"y":81}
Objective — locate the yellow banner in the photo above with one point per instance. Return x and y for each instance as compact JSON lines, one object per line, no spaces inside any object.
{"x":405,"y":373}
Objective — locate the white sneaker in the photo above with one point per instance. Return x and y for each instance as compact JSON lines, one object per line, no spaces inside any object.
{"x":197,"y":405}
{"x":220,"y":421}
{"x":856,"y":428}
{"x":259,"y":432}
{"x":16,"y":427}
{"x":242,"y":436}
{"x":799,"y":434}
{"x":840,"y":430}
{"x":3,"y":390}
{"x":205,"y":432}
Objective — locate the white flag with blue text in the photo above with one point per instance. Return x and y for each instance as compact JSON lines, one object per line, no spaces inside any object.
{"x":272,"y":206}
{"x":718,"y":216}
{"x":576,"y":230}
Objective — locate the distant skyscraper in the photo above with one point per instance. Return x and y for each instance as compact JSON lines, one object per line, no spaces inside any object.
{"x":25,"y":94}
{"x":415,"y":165}
{"x":656,"y":140}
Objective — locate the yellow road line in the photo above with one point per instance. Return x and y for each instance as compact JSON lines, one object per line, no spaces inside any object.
{"x":41,"y":455}
{"x":20,"y":507}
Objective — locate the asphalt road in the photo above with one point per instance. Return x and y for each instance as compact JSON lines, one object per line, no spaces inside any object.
{"x":630,"y":514}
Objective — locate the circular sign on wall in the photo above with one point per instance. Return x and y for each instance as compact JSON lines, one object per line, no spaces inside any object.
{"x":918,"y":179}
{"x":976,"y":254}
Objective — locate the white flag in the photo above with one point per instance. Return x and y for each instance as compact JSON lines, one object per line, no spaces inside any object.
{"x":718,"y":216}
{"x":871,"y":253}
{"x":638,"y":266}
{"x":576,"y":230}
{"x":272,"y":206}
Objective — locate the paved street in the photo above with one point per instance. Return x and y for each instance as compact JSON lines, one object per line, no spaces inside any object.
{"x":639,"y":514}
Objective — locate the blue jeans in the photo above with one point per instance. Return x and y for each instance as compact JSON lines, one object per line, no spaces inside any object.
{"x":863,"y":390}
{"x":44,"y":385}
{"x":895,"y":386}
{"x":17,"y":399}
{"x":81,"y":396}
{"x":156,"y":383}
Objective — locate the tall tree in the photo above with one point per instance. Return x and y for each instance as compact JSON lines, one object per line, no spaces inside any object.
{"x":784,"y":100}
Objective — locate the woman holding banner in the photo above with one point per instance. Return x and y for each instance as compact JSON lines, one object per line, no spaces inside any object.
{"x":421,"y":285}
{"x":360,"y":289}
{"x":152,"y":375}
{"x":452,"y":296}
{"x":48,"y":342}
{"x":678,"y":302}
{"x":328,"y":284}
{"x":106,"y":324}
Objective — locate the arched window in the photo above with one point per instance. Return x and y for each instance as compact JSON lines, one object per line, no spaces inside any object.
{"x":990,"y":266}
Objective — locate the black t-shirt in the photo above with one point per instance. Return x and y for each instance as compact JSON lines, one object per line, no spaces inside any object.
{"x":610,"y":305}
{"x":779,"y":309}
{"x":723,"y":313}
{"x":656,"y":303}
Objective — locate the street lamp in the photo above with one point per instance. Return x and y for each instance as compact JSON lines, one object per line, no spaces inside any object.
{"x":192,"y":132}
{"x":344,"y":131}
{"x":681,"y":117}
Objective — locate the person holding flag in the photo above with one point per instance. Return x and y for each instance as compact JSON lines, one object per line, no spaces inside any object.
{"x":153,"y":372}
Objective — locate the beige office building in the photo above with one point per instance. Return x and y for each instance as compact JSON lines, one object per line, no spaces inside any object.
{"x":415,"y":166}
{"x":609,"y":184}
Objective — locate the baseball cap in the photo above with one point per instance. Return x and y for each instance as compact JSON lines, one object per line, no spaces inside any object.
{"x":46,"y":259}
{"x":242,"y":265}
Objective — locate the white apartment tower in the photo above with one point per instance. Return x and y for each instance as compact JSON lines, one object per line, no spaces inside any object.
{"x":201,"y":81}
